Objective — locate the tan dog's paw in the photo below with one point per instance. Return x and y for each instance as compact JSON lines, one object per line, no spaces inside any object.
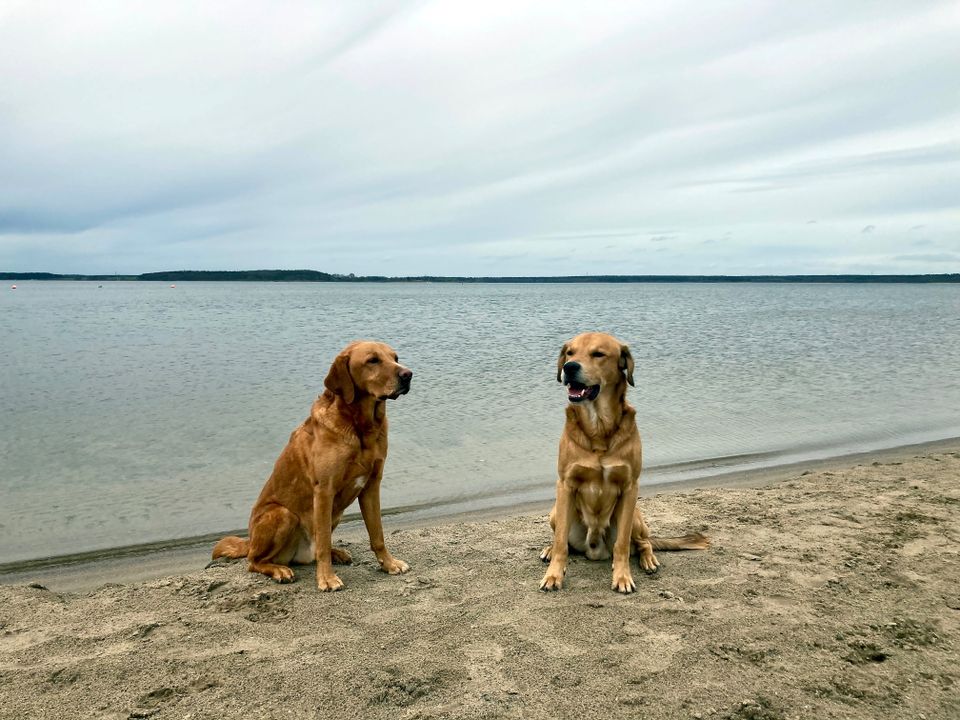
{"x":553,"y":580}
{"x":648,"y":562}
{"x":623,"y":582}
{"x":546,"y":553}
{"x":329,"y":583}
{"x":339,"y":556}
{"x":394,"y":566}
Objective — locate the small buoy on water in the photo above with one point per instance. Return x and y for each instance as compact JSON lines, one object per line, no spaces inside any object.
{"x":13,"y":287}
{"x":173,"y":286}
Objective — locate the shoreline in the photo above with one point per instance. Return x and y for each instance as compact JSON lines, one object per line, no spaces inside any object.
{"x":826,"y":593}
{"x":136,"y":563}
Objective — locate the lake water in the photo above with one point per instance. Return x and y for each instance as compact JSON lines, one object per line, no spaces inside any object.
{"x":135,"y":412}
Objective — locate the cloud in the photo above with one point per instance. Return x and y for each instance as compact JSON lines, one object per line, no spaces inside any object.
{"x":929,"y":258}
{"x":326,"y":136}
{"x":868,"y":229}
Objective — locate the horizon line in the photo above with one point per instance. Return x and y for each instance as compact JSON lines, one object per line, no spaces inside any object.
{"x":306,"y":275}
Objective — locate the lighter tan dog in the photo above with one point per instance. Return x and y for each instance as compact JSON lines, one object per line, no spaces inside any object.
{"x":333,"y":458}
{"x":596,"y":511}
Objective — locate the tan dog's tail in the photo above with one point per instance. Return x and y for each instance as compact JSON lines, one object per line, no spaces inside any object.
{"x":690,"y":541}
{"x":231,"y":547}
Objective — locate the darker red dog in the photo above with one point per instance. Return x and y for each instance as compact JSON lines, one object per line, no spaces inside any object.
{"x":335,"y":457}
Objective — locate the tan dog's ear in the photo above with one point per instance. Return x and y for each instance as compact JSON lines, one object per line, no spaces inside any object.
{"x":339,"y":381}
{"x":560,"y":362}
{"x":626,"y":363}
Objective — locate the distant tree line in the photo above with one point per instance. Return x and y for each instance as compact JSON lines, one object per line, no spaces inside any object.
{"x":53,"y":276}
{"x":242,"y":276}
{"x":317,"y":276}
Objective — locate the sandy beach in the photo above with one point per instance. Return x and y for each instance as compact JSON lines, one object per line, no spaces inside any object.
{"x":832,"y":590}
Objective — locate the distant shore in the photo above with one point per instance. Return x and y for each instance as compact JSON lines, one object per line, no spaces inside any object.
{"x":318,"y":276}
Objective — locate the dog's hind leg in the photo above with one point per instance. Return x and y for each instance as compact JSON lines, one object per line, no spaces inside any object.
{"x":640,"y":537}
{"x":273,"y":541}
{"x":231,"y":547}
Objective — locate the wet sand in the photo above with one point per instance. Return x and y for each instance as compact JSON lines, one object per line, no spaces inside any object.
{"x":832,"y":590}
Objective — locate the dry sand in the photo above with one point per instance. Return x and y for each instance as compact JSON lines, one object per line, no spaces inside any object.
{"x":831,"y":594}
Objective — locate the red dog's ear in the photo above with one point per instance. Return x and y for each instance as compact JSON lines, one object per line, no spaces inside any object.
{"x":626,"y":363}
{"x":339,"y":381}
{"x":560,"y":361}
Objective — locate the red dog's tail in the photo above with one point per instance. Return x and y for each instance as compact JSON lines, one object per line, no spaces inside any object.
{"x":231,"y":547}
{"x":690,"y":541}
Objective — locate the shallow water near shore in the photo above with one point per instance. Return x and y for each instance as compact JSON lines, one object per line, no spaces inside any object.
{"x":137,"y":412}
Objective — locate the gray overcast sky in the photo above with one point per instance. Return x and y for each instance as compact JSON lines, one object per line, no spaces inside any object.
{"x":494,"y":138}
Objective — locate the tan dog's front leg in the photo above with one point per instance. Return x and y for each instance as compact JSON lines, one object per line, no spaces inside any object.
{"x":563,"y":510}
{"x":622,"y":577}
{"x":327,"y":580}
{"x":370,"y":509}
{"x":545,"y":553}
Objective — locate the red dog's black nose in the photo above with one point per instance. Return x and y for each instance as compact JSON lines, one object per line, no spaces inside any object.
{"x":571,"y":368}
{"x":406,"y":374}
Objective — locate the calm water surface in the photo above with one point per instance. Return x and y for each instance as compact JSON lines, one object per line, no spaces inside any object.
{"x":134,"y":412}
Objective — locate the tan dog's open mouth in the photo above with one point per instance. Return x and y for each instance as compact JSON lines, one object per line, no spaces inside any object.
{"x":578,"y":392}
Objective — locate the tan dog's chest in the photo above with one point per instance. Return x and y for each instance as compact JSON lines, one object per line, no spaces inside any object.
{"x":598,"y":491}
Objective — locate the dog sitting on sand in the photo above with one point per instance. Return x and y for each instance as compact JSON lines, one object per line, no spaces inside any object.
{"x":596,"y":509}
{"x":335,"y":457}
